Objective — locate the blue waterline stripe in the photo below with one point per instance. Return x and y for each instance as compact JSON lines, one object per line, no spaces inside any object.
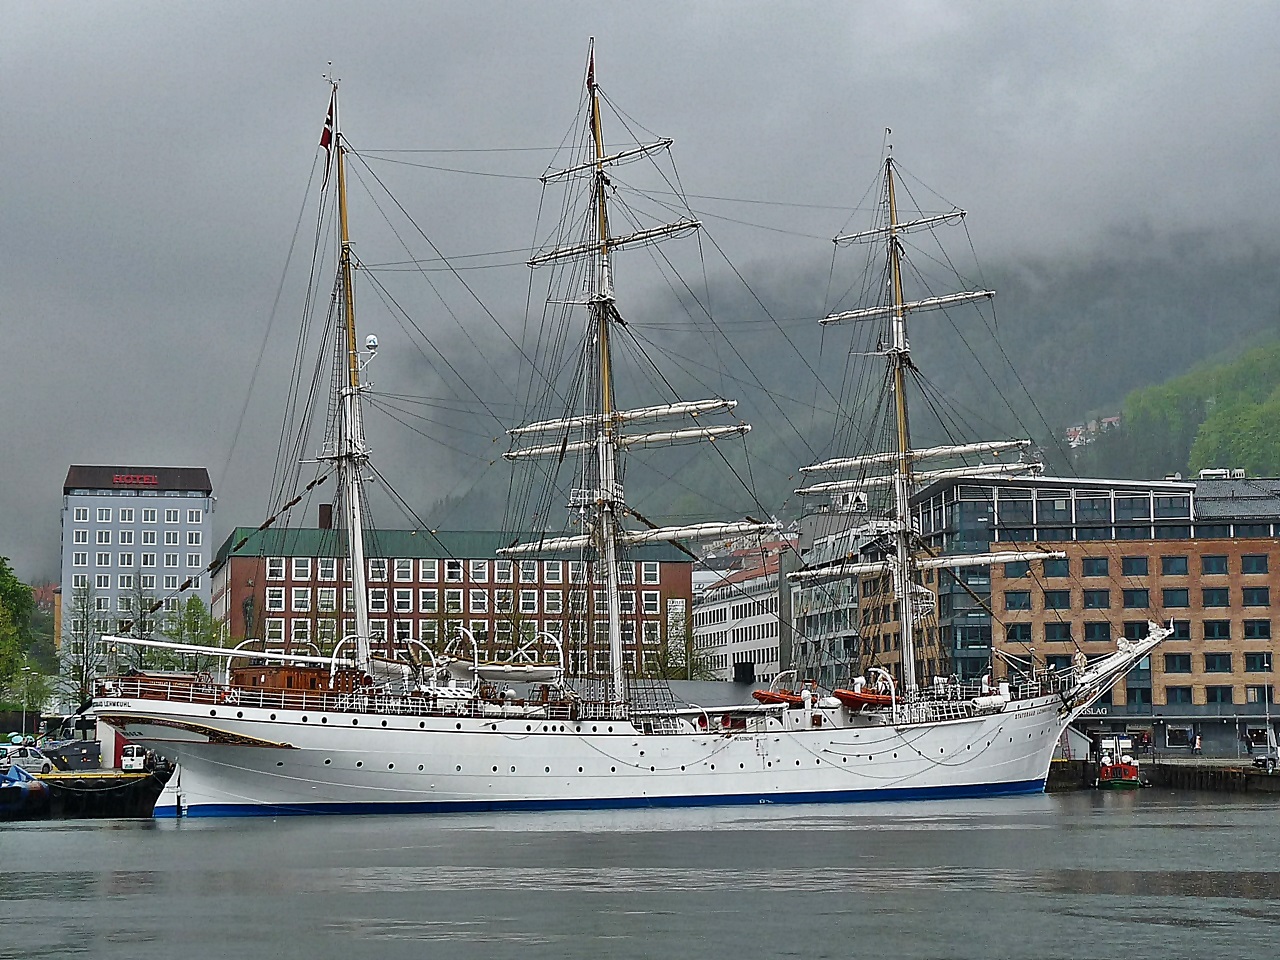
{"x":1017,"y":788}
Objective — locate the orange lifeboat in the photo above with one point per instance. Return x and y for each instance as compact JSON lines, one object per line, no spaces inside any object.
{"x":789,"y":697}
{"x":863,"y":699}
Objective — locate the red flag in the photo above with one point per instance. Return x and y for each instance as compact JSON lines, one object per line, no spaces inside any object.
{"x":326,"y":139}
{"x":591,"y":70}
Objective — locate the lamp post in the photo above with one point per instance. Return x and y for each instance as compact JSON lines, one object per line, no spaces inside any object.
{"x":26,"y":687}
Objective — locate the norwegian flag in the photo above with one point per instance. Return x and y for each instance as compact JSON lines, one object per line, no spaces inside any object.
{"x":591,"y":70}
{"x":326,"y":138}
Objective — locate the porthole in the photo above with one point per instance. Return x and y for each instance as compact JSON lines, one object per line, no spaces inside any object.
{"x":279,"y":763}
{"x":384,"y":723}
{"x":324,"y":719}
{"x":273,"y":716}
{"x":513,"y":769}
{"x":653,"y":769}
{"x":458,"y":768}
{"x":546,"y":769}
{"x":642,"y":753}
{"x":528,"y":728}
{"x":359,"y":763}
{"x":611,"y":729}
{"x":459,"y":726}
{"x":304,"y":718}
{"x":742,"y":766}
{"x":713,"y":766}
{"x":579,"y":769}
{"x":240,"y":714}
{"x":327,"y":761}
{"x":613,"y":769}
{"x":595,"y":729}
{"x":354,"y":721}
{"x":422,"y":724}
{"x":895,"y":756}
{"x":495,"y":769}
{"x":391,"y":766}
{"x":419,"y":768}
{"x":213,"y":713}
{"x":797,"y":763}
{"x":682,"y":766}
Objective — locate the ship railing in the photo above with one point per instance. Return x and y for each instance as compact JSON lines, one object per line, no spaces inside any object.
{"x":423,"y":703}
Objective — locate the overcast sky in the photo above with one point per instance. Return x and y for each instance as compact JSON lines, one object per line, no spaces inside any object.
{"x":156,"y":154}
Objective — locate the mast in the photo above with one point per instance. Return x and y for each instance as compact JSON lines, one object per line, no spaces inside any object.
{"x":602,"y":309}
{"x":899,"y":357}
{"x":351,"y":453}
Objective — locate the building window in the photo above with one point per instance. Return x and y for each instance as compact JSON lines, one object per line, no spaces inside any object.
{"x":149,"y":515}
{"x":80,"y":559}
{"x":453,"y":571}
{"x":126,"y":581}
{"x":553,"y":602}
{"x":1137,"y":599}
{"x":102,"y":559}
{"x":1257,"y":629}
{"x":428,"y":570}
{"x":1257,"y":596}
{"x":649,"y":571}
{"x":275,"y":598}
{"x":1217,"y":629}
{"x":1018,"y":633}
{"x":1057,"y":632}
{"x":1133,"y":566}
{"x":1057,"y":568}
{"x":403,"y":600}
{"x":649,"y":601}
{"x":81,"y":515}
{"x":171,"y":539}
{"x":80,"y":536}
{"x":171,"y":560}
{"x":1016,"y":568}
{"x":1173,"y":566}
{"x":302,"y":568}
{"x":577,"y":601}
{"x":1253,"y":563}
{"x":326,"y":568}
{"x":1178,"y":597}
{"x":102,"y":581}
{"x":148,"y":559}
{"x":79,"y":580}
{"x":1257,"y":662}
{"x":1252,"y":530}
{"x":275,"y":568}
{"x":528,"y":601}
{"x":479,"y":571}
{"x":378,"y":599}
{"x":327,"y":599}
{"x":502,"y":571}
{"x":453,"y":601}
{"x":104,"y":537}
{"x":148,"y":537}
{"x":1095,"y":566}
{"x":104,"y":514}
{"x":1097,"y":630}
{"x":275,"y":630}
{"x":1216,"y":596}
{"x":553,"y":571}
{"x":1177,"y":663}
{"x":378,"y":569}
{"x":1177,"y":695}
{"x":301,"y":600}
{"x":504,"y":601}
{"x":1259,"y":694}
{"x":1217,"y":663}
{"x":428,"y":600}
{"x":1057,"y":599}
{"x":1213,"y":565}
{"x":528,"y":571}
{"x":1219,"y":695}
{"x":171,"y":583}
{"x":1017,"y":600}
{"x":627,"y":601}
{"x":171,"y":516}
{"x":479,"y":601}
{"x":126,"y":559}
{"x":194,"y":560}
{"x":1097,"y":599}
{"x":126,"y":537}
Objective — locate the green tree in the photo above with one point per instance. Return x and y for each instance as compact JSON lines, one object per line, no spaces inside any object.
{"x":80,"y":658}
{"x":192,"y":623}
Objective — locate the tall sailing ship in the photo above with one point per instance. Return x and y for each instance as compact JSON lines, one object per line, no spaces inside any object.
{"x":448,"y":730}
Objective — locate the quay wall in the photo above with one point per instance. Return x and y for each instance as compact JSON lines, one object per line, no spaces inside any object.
{"x":1217,"y":777}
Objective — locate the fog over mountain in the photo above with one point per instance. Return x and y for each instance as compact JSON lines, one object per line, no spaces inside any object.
{"x":1118,"y":170}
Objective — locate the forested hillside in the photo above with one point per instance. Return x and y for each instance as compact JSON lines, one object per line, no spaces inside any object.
{"x":1222,"y":415}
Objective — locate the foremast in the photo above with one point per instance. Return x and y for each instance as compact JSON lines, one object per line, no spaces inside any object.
{"x":602,"y":429}
{"x":350,"y":452}
{"x":903,"y":564}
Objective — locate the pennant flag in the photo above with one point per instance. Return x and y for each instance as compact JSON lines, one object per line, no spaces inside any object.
{"x":326,"y":139}
{"x":591,"y":70}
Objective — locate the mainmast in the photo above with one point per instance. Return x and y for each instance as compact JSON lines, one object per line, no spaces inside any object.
{"x":351,"y":453}
{"x":602,"y":309}
{"x":601,"y":429}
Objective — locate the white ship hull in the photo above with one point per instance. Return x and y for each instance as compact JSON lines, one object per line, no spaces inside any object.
{"x":234,"y":761}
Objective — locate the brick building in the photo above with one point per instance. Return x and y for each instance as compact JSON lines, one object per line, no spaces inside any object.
{"x":292,"y":589}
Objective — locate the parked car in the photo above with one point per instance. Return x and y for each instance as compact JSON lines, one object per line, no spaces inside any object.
{"x":28,"y":758}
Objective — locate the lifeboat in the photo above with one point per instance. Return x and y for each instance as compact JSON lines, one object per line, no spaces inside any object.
{"x":789,"y":697}
{"x":863,"y":699}
{"x":1119,"y":774}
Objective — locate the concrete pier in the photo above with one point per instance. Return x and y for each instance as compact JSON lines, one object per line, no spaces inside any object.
{"x":1219,"y":776}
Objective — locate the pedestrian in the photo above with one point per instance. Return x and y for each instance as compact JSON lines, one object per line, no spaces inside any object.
{"x":1196,"y":748}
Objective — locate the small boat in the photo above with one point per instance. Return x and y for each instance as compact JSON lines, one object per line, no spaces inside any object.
{"x":1119,"y":774}
{"x":863,"y":699}
{"x":789,"y":697}
{"x":22,"y":796}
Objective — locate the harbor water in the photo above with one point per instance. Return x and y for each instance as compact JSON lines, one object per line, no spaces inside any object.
{"x":1151,"y":874}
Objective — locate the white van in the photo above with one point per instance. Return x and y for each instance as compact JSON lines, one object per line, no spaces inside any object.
{"x":133,"y":757}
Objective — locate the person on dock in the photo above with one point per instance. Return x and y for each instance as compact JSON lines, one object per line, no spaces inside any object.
{"x":1196,"y":748}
